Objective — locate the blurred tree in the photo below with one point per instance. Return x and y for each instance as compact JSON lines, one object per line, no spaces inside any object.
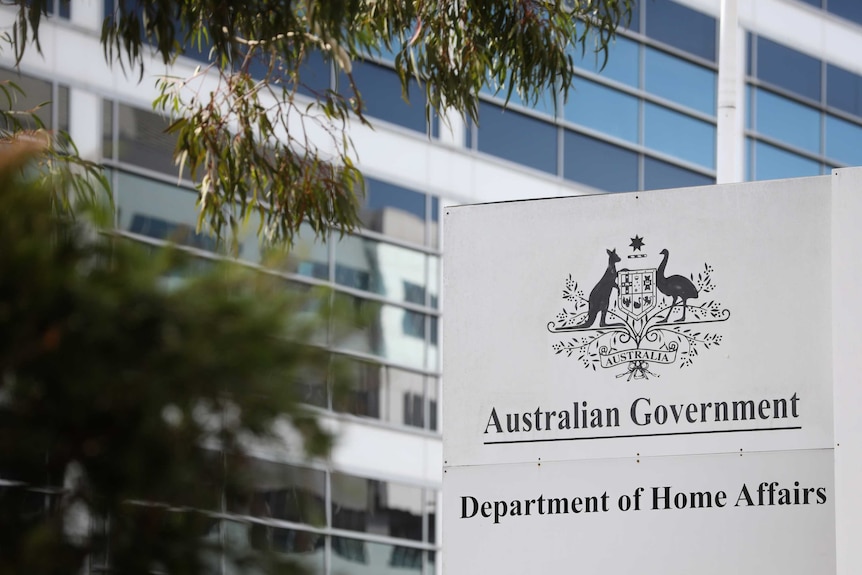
{"x":120,"y":370}
{"x":113,"y":381}
{"x":253,"y":145}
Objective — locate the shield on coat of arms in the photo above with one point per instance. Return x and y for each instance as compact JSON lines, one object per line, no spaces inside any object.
{"x":637,"y":293}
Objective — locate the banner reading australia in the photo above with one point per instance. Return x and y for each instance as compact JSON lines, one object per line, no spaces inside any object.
{"x":641,"y":365}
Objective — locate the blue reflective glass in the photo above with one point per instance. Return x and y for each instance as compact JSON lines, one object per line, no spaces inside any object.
{"x":749,"y":53}
{"x":387,"y":331}
{"x":634,"y":22}
{"x":621,"y":65}
{"x":394,"y":211}
{"x":159,"y":210}
{"x":660,"y":175}
{"x":382,"y":268}
{"x":390,"y":53}
{"x":681,"y":27}
{"x":603,"y":109}
{"x":544,"y":104}
{"x":679,"y":135}
{"x":599,"y":164}
{"x":383,"y":195}
{"x":772,"y":163}
{"x":143,"y":141}
{"x":749,"y":159}
{"x":315,"y":74}
{"x":850,"y":9}
{"x":749,"y":107}
{"x":844,"y":90}
{"x":788,"y":69}
{"x":513,"y":136}
{"x":843,"y":141}
{"x":381,"y":94}
{"x":680,"y":81}
{"x":788,"y":121}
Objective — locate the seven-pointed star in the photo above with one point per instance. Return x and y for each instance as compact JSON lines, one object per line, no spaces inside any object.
{"x":637,"y":243}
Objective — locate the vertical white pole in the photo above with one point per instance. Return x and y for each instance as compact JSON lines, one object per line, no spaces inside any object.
{"x":846,"y":366}
{"x":728,"y":139}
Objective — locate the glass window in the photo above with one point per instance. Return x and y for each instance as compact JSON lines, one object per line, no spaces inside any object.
{"x":680,"y":81}
{"x":516,"y":137}
{"x":34,"y":94}
{"x":622,"y":63}
{"x":304,"y":549}
{"x":378,"y":507}
{"x":380,"y":88}
{"x":434,"y":228}
{"x":433,"y":357}
{"x":107,"y":129}
{"x":200,"y":52}
{"x":50,"y":7}
{"x":394,"y":211}
{"x":634,"y":23}
{"x":788,"y":121}
{"x":850,"y":9}
{"x":750,"y":40}
{"x":772,"y":163}
{"x":603,"y":109}
{"x":681,"y":27}
{"x":749,"y":159}
{"x":357,"y":557}
{"x":660,"y":175}
{"x":315,"y":75}
{"x":788,"y":69}
{"x":544,"y":104}
{"x":844,"y":90}
{"x":380,"y":268}
{"x":843,"y":141}
{"x":309,"y":255}
{"x":431,"y":392}
{"x":679,"y":135}
{"x":433,"y":281}
{"x":281,"y":491}
{"x":310,"y":382}
{"x":143,"y":141}
{"x":749,"y":107}
{"x":386,"y":331}
{"x":63,"y":108}
{"x":158,"y":210}
{"x":407,"y":402}
{"x":599,"y":164}
{"x":365,"y":387}
{"x":379,"y":391}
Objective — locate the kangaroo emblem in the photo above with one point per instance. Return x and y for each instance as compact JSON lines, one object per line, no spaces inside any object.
{"x":600,"y":296}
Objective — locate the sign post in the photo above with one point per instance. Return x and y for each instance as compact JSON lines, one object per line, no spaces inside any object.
{"x":642,"y":383}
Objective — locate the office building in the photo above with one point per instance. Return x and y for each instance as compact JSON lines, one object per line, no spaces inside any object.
{"x":646,"y":120}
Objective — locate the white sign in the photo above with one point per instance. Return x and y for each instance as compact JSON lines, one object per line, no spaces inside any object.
{"x":592,"y":341}
{"x":764,"y":513}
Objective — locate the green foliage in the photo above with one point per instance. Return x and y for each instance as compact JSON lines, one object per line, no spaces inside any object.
{"x":117,"y":367}
{"x":254,"y":146}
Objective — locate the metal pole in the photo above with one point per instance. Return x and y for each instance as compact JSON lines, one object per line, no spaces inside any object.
{"x":728,"y":141}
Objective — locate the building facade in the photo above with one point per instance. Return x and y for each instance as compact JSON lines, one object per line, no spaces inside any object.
{"x":646,"y":120}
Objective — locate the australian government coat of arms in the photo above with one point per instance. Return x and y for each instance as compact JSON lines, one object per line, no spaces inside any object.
{"x":637,"y":320}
